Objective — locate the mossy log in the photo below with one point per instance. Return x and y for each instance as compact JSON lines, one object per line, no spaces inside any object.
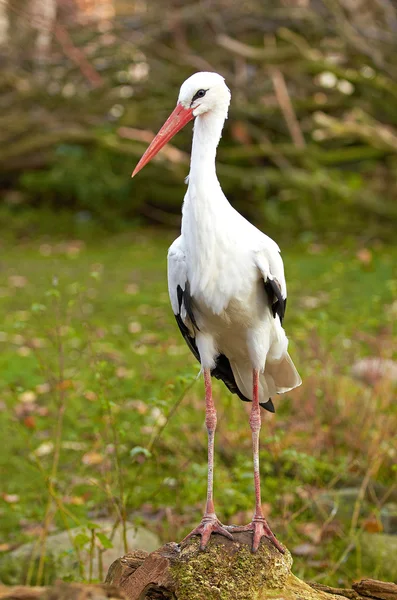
{"x":226,"y":570}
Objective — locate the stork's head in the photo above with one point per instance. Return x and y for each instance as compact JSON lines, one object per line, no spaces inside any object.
{"x":201,"y":93}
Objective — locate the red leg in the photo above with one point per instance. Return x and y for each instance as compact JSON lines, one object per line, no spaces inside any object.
{"x":258,"y":524}
{"x":209,"y":523}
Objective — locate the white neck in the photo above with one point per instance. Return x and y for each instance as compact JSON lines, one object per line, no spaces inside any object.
{"x":206,"y":212}
{"x":206,"y":135}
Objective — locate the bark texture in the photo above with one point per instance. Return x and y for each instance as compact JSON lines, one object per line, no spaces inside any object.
{"x":362,"y":590}
{"x":226,"y":570}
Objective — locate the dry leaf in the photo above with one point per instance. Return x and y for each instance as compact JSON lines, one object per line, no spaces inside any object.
{"x":372,"y":369}
{"x":29,"y":422}
{"x":23,"y":409}
{"x":141,"y":349}
{"x":17,"y":281}
{"x":24,"y":351}
{"x":134,"y":327}
{"x":75,"y":500}
{"x":372,"y":525}
{"x":72,"y":445}
{"x":44,"y":449}
{"x":38,"y":343}
{"x":364,"y":256}
{"x":4,"y":547}
{"x":66,"y":384}
{"x":149,"y":338}
{"x":74,"y":247}
{"x":92,"y":458}
{"x":132,"y":289}
{"x":304,"y":550}
{"x":138,"y":405}
{"x":33,"y":529}
{"x":312,"y":302}
{"x":10,"y":498}
{"x":123,"y":373}
{"x":29,"y":396}
{"x":43,"y":388}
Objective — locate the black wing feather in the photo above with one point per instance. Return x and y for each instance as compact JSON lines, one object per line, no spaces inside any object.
{"x":187,"y":300}
{"x":182,"y":296}
{"x":191,"y":342}
{"x":277,"y":302}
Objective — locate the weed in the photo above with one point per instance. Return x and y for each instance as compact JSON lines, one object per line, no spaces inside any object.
{"x":101,"y":414}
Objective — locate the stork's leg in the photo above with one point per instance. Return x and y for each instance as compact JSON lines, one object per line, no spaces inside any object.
{"x":258,"y":524}
{"x":209,"y":523}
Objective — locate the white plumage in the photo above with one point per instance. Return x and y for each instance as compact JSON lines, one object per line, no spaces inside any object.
{"x":226,"y":260}
{"x":227,"y":288}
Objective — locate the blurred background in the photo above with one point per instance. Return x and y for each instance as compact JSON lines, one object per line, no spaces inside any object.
{"x":101,"y":415}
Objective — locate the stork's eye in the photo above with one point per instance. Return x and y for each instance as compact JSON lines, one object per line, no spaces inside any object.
{"x":199,"y":94}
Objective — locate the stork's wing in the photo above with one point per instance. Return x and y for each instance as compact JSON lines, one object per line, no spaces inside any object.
{"x":270,"y":264}
{"x":181,"y":302}
{"x":178,"y":288}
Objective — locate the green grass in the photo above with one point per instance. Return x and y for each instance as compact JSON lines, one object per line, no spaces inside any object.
{"x":101,"y":413}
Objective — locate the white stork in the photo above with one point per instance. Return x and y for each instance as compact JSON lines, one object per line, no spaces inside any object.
{"x":227,"y":288}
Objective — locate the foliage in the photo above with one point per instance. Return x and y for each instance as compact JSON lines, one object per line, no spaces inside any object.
{"x":101,"y":412}
{"x":310,"y":147}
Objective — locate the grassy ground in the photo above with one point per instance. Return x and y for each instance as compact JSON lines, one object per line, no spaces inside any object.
{"x":101,"y":412}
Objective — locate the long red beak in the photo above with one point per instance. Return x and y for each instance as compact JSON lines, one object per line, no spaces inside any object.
{"x":179,"y":117}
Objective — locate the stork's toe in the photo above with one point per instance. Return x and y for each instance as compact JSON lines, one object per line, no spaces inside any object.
{"x":208,"y":525}
{"x":260,"y":529}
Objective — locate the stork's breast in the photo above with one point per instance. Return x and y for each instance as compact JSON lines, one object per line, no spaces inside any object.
{"x":241,"y":311}
{"x":221,"y":272}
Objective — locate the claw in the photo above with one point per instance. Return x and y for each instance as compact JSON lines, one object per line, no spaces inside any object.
{"x":209,"y":524}
{"x":260,"y":529}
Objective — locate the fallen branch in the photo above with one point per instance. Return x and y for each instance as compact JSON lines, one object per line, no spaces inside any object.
{"x":61,"y":591}
{"x":372,"y":588}
{"x":362,"y":590}
{"x":77,"y":56}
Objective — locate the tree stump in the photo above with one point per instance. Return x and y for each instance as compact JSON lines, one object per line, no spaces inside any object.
{"x":226,"y":570}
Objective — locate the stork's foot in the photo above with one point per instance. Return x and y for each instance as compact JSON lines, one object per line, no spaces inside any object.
{"x":209,"y":524}
{"x":261,"y":529}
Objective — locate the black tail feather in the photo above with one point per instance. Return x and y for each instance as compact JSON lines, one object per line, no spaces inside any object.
{"x":223,"y":371}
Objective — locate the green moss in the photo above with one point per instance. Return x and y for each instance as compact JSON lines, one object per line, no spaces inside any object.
{"x":229,"y":572}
